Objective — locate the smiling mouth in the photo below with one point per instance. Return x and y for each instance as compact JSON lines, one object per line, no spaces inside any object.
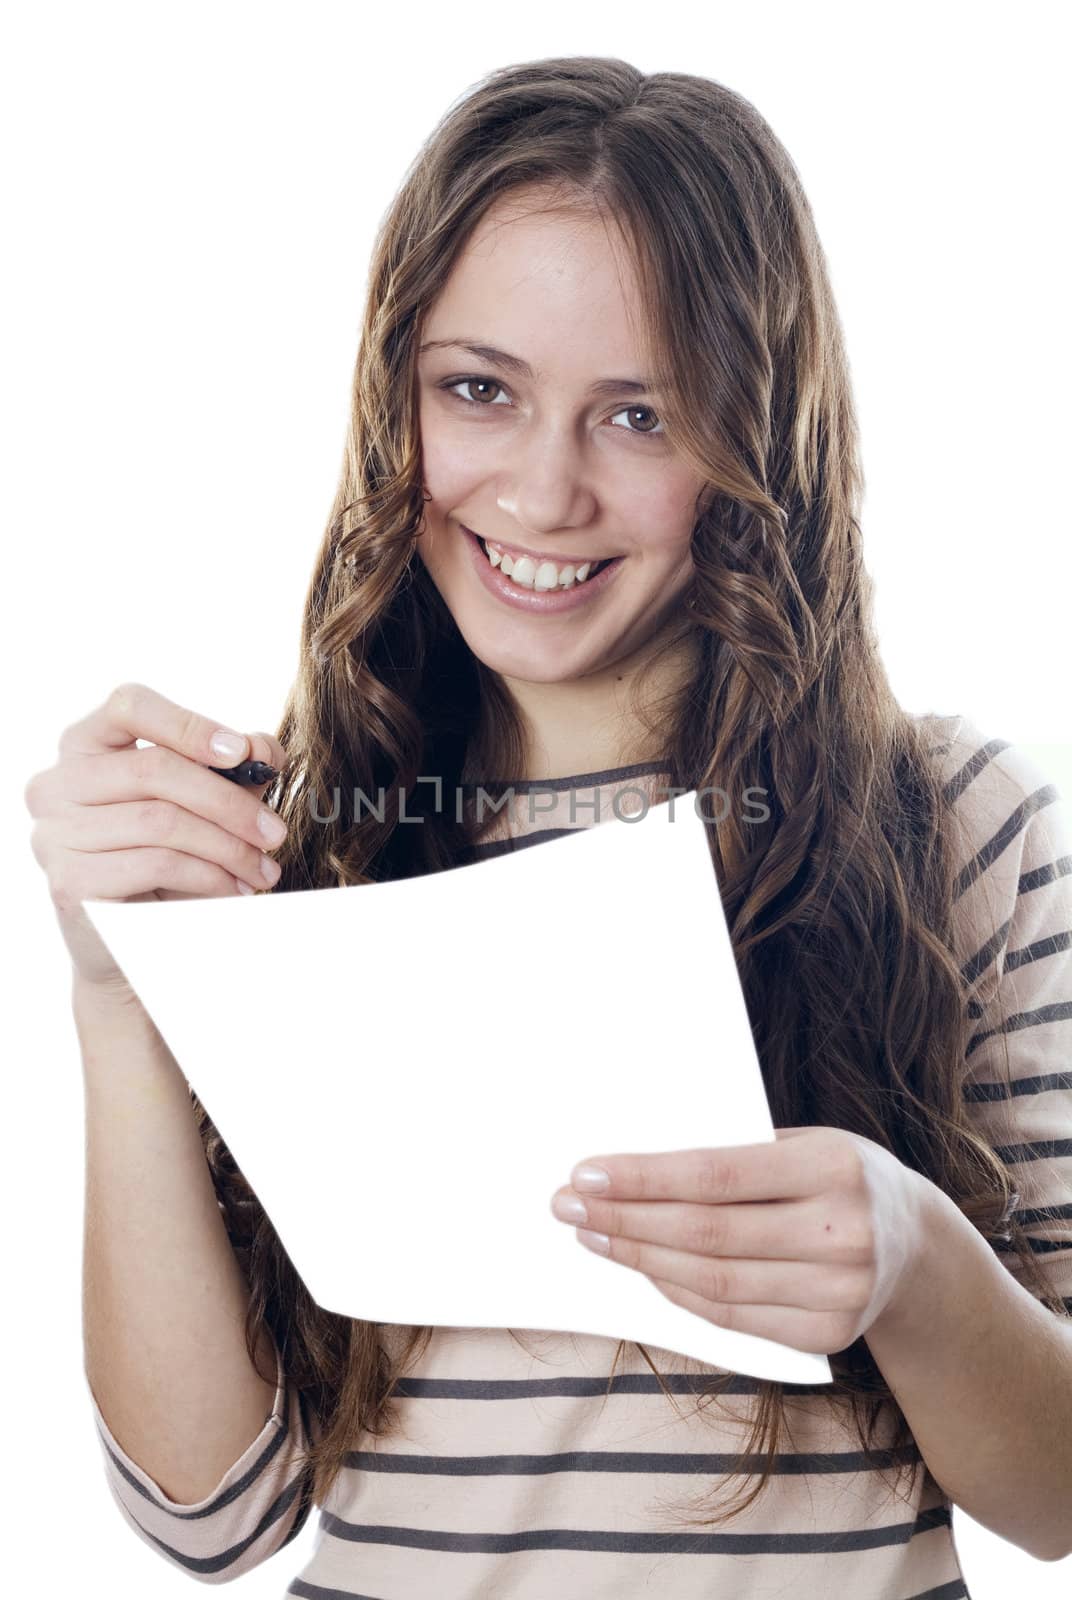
{"x":539,"y":572}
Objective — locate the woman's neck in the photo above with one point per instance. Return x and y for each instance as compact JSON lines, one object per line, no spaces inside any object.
{"x":591,"y":724}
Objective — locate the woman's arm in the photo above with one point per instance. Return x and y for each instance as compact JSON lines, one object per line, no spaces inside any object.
{"x":983,"y":1373}
{"x":982,"y":1370}
{"x":164,"y":1298}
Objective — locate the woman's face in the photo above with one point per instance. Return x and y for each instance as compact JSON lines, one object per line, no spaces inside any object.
{"x":564,"y":458}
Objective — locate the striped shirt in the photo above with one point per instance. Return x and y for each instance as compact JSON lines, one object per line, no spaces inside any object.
{"x":514,"y":1472}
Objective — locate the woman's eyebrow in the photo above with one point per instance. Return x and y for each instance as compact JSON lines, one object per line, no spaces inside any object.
{"x":521,"y":369}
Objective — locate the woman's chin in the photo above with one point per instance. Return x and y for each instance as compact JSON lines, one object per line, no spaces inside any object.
{"x":528,"y":663}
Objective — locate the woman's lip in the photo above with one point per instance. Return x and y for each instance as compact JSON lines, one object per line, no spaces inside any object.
{"x":534,"y":600}
{"x":560,"y":561}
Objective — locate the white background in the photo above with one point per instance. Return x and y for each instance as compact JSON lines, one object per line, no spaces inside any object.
{"x":190,"y":194}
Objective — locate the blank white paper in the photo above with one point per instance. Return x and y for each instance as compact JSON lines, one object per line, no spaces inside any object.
{"x":390,"y":1068}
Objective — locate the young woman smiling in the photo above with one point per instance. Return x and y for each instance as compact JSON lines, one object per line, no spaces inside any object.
{"x":597,"y":528}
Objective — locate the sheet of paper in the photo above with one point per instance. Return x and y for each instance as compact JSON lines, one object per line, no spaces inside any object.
{"x":405,"y":1072}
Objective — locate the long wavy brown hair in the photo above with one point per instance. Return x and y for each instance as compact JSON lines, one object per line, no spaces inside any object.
{"x":840,"y":904}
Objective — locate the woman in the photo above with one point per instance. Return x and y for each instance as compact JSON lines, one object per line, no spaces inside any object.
{"x":597,"y":529}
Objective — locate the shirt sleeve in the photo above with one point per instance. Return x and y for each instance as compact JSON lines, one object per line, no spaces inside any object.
{"x":259,"y":1505}
{"x":1015,"y":904}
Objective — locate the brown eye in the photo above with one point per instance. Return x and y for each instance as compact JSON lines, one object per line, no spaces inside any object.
{"x":471,"y":383}
{"x":641,"y":411}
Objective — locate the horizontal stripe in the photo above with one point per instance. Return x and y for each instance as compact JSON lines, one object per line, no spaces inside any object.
{"x":648,"y":1461}
{"x":619,"y":1543}
{"x":1038,"y":1150}
{"x":1039,"y":1247}
{"x":1010,"y":829}
{"x":983,"y":958}
{"x":1042,"y":1214}
{"x":1050,"y":946}
{"x":1041,"y":1083}
{"x":1061,"y":868}
{"x":227,"y":1558}
{"x":505,"y":1464}
{"x":237,"y":1489}
{"x":301,"y":1589}
{"x":621,"y":1383}
{"x":971,"y":769}
{"x":1059,"y":1011}
{"x":316,"y":1591}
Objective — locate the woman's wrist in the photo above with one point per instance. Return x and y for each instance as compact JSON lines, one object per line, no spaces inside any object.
{"x":115,"y":1032}
{"x":108,"y":998}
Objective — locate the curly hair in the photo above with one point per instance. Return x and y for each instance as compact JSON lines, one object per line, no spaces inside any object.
{"x":840,"y":904}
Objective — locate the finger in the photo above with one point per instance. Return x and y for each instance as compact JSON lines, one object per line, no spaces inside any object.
{"x":133,"y":711}
{"x":817,"y":1332}
{"x":155,"y":825}
{"x":264,"y":747}
{"x":773,"y":1170}
{"x":157,"y":773}
{"x":809,"y":1285}
{"x":124,"y":874}
{"x":807,"y":1229}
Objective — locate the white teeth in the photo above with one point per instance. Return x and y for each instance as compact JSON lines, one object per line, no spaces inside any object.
{"x":528,"y":574}
{"x":523,"y":571}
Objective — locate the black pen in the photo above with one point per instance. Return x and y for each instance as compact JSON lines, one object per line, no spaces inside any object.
{"x":248,"y":772}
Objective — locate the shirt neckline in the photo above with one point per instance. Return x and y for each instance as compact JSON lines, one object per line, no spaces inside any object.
{"x":527,"y":785}
{"x":634,"y":769}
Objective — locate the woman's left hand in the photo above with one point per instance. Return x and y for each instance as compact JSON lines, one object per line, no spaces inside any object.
{"x":806,"y":1240}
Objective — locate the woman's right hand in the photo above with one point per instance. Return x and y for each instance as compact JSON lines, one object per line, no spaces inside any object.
{"x":113,"y":822}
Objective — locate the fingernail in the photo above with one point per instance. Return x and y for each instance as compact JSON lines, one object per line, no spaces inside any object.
{"x":590,"y":1179}
{"x":272,"y":826}
{"x":271,"y":869}
{"x":594,"y":1241}
{"x":567,"y":1208}
{"x":225,"y":742}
